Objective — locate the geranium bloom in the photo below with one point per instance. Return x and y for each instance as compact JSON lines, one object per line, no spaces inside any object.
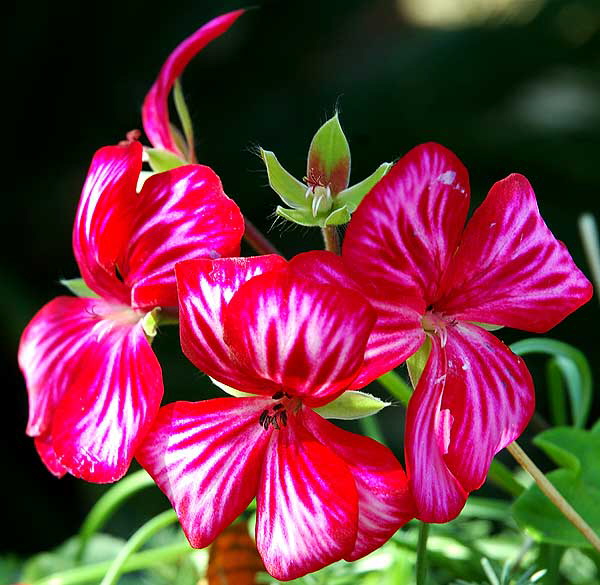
{"x":430,"y":277}
{"x":155,"y":111}
{"x":322,"y":493}
{"x":93,"y":380}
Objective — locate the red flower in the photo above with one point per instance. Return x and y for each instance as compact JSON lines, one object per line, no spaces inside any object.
{"x":430,"y":277}
{"x":322,"y":493}
{"x":155,"y":111}
{"x":94,"y":383}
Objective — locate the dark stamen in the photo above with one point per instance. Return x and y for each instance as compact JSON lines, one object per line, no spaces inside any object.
{"x":277,"y":395}
{"x":274,"y":422}
{"x":263,"y":417}
{"x":287,"y":395}
{"x":278,"y":406}
{"x":283,"y":418}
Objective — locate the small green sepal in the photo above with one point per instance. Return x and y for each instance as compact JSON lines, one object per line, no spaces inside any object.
{"x":229,"y":390}
{"x":416,"y":363}
{"x":79,"y":288}
{"x":150,"y":322}
{"x":351,"y":405}
{"x":184,"y":117}
{"x":291,"y":191}
{"x":162,"y":160}
{"x":355,"y":194}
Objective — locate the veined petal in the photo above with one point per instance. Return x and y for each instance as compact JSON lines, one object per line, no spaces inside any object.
{"x":206,"y":457}
{"x":43,"y":446}
{"x":155,"y":111}
{"x":181,"y":214}
{"x":307,"y":505}
{"x":397,"y":333}
{"x":384,"y":499}
{"x":438,"y":494}
{"x":509,"y":269}
{"x":205,"y":287}
{"x":307,"y":337}
{"x":490,"y":398}
{"x":104,"y":216}
{"x":406,"y":229}
{"x":110,"y":403}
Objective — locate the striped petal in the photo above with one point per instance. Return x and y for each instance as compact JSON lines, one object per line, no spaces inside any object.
{"x":206,"y":457}
{"x":509,"y":269}
{"x":205,"y":288}
{"x":104,"y":215}
{"x":181,"y":214}
{"x":155,"y":111}
{"x":406,"y":229}
{"x":384,"y":500}
{"x":43,"y":445}
{"x":307,"y":505}
{"x":307,"y":337}
{"x":397,"y":333}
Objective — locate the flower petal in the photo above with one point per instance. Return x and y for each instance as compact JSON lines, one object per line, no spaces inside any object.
{"x":307,"y":337}
{"x":110,"y":404}
{"x":397,"y":333}
{"x":206,"y":457}
{"x":384,"y":500}
{"x":509,"y":269}
{"x":306,"y":505}
{"x":155,"y":111}
{"x":406,"y":229}
{"x":181,"y":214}
{"x":205,"y":287}
{"x":43,"y":446}
{"x":104,"y":216}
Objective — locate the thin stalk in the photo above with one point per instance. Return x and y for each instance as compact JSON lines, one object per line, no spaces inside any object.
{"x":554,"y":495}
{"x":108,"y":504}
{"x":588,"y":231}
{"x":421,"y":567}
{"x":139,"y":561}
{"x":331,"y":237}
{"x":143,"y":534}
{"x":255,"y":239}
{"x":396,"y":386}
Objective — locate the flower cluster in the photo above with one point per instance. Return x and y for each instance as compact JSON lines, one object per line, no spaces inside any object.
{"x":289,"y":339}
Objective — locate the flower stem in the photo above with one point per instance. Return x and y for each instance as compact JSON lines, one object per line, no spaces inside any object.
{"x":421,"y":567}
{"x":331,"y":238}
{"x":138,"y":538}
{"x":554,"y":495}
{"x":396,"y":386}
{"x":588,"y":230}
{"x":255,"y":238}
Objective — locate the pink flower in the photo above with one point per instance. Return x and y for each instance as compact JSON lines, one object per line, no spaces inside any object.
{"x":94,"y":383}
{"x":322,"y":493}
{"x":155,"y":111}
{"x":432,"y":278}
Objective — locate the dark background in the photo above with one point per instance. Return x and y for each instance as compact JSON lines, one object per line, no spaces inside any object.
{"x":513,"y":90}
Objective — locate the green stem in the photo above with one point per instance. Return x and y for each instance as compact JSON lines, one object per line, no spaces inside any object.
{"x":370,"y":427}
{"x":143,"y":560}
{"x":143,"y":534}
{"x":331,"y":237}
{"x":108,"y":503}
{"x":588,"y":230}
{"x":421,"y":568}
{"x":554,"y":495}
{"x":255,"y":239}
{"x":502,"y":476}
{"x":396,"y":386}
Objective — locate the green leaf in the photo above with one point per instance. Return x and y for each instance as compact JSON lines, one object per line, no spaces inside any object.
{"x":184,"y":116}
{"x":352,"y":196}
{"x":351,"y":405}
{"x":291,"y":191}
{"x":163,"y":160}
{"x":78,"y":287}
{"x":329,"y":157}
{"x":577,"y":452}
{"x":416,"y":363}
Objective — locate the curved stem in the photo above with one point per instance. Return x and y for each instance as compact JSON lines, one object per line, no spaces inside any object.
{"x":421,"y":567}
{"x":554,"y":495}
{"x":331,"y":237}
{"x":255,"y":238}
{"x":108,"y":503}
{"x":135,"y":542}
{"x":396,"y":386}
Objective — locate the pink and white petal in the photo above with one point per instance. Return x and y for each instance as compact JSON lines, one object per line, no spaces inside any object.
{"x":111,"y":403}
{"x":490,"y":398}
{"x":510,"y":269}
{"x":306,"y":337}
{"x":50,"y":353}
{"x":406,"y":229}
{"x":181,"y":214}
{"x":438,"y":493}
{"x":307,"y":505}
{"x":43,"y":446}
{"x":206,"y":457}
{"x":155,"y":111}
{"x":205,"y":288}
{"x":385,"y":502}
{"x":104,"y":215}
{"x":397,"y":333}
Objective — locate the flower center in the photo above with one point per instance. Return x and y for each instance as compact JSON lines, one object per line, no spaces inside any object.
{"x":277,"y":415}
{"x":437,"y":323}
